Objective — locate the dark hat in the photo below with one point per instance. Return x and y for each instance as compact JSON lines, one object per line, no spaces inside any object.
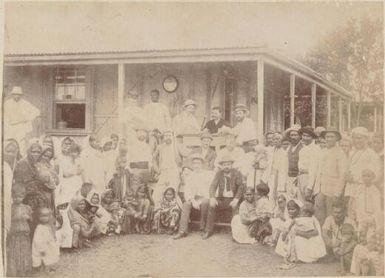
{"x":331,"y":130}
{"x":307,"y":130}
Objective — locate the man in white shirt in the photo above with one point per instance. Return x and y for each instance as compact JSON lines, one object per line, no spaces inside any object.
{"x":19,"y":115}
{"x":196,"y":194}
{"x":133,"y":116}
{"x":186,"y":122}
{"x":139,"y":158}
{"x":158,"y":116}
{"x":308,"y":162}
{"x":245,"y":127}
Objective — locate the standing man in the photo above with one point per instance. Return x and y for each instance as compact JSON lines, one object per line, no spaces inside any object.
{"x":308,"y":162}
{"x":133,"y":115}
{"x":158,"y":116}
{"x":361,"y":157}
{"x":226,"y":192}
{"x":331,"y":178}
{"x":186,"y":122}
{"x":245,"y":127}
{"x":19,"y":115}
{"x":216,"y":121}
{"x":196,"y":194}
{"x":293,"y":158}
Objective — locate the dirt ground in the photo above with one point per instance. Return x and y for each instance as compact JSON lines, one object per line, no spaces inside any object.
{"x":160,"y":256}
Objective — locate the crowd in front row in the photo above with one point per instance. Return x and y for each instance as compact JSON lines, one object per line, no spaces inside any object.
{"x":310,"y":194}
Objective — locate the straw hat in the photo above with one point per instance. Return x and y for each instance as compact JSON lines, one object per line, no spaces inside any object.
{"x":189,"y":102}
{"x":362,"y":131}
{"x":16,"y":90}
{"x":331,"y":130}
{"x":226,"y":158}
{"x":241,"y":107}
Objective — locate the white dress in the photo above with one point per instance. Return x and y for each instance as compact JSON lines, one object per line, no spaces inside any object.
{"x":44,"y":246}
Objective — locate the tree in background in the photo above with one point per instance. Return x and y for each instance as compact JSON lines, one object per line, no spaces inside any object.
{"x":352,"y":56}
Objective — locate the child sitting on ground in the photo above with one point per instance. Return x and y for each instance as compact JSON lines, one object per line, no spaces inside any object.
{"x":167,"y":213}
{"x":264,"y":211}
{"x":142,"y":214}
{"x":345,"y":250}
{"x":19,"y":252}
{"x":278,"y":220}
{"x":45,"y":250}
{"x":114,"y":209}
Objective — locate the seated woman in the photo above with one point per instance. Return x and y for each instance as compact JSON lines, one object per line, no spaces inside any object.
{"x":83,"y":226}
{"x":167,"y":213}
{"x":301,"y":240}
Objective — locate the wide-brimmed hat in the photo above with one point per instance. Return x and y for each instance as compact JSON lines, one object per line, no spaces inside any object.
{"x":196,"y":156}
{"x":362,"y":131}
{"x":331,"y":130}
{"x":16,"y":90}
{"x":206,"y":135}
{"x":226,"y":158}
{"x":240,"y":107}
{"x":319,"y":129}
{"x":292,"y":128}
{"x":307,"y":130}
{"x":189,"y":102}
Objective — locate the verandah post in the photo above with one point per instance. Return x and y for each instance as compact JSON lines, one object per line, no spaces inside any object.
{"x":260,"y":98}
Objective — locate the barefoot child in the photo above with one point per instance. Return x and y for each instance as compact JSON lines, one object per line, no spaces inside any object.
{"x":19,"y":254}
{"x":241,"y":223}
{"x":143,"y":210}
{"x":167,"y":213}
{"x":279,"y":218}
{"x":264,"y":211}
{"x":345,"y":250}
{"x":45,"y":250}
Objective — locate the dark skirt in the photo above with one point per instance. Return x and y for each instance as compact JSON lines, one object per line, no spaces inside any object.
{"x":19,"y":254}
{"x":260,"y":229}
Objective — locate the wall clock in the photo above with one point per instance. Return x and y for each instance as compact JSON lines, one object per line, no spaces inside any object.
{"x":170,"y":84}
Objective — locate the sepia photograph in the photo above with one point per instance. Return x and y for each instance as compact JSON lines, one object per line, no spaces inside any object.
{"x":192,"y":139}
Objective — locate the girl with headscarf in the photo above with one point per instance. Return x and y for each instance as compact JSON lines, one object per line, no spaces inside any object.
{"x":48,"y":175}
{"x":92,"y":164}
{"x":83,"y":226}
{"x":70,"y":179}
{"x":26,"y":175}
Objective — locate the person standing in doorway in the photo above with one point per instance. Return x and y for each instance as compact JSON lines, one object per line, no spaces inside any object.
{"x":19,"y":115}
{"x":158,"y":116}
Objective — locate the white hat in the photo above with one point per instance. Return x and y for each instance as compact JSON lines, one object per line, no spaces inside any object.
{"x":16,"y":90}
{"x":189,"y":102}
{"x":360,"y":131}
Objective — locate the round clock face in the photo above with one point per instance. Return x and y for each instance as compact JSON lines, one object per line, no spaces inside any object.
{"x":170,"y":84}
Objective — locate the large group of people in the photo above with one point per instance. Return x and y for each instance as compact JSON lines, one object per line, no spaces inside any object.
{"x":310,"y":194}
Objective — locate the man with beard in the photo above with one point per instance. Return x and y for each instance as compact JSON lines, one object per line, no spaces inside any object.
{"x":226,"y":192}
{"x":293,"y":157}
{"x":209,"y":155}
{"x":168,"y":157}
{"x":245,"y":127}
{"x":186,"y":122}
{"x":139,"y":158}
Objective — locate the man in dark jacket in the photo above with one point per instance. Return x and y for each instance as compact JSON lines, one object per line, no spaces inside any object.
{"x":216,"y":121}
{"x":226,"y":191}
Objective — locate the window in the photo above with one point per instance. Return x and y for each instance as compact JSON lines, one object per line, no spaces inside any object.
{"x":70,"y":98}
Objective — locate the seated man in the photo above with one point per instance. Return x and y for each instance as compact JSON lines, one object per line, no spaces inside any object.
{"x":208,"y":154}
{"x":216,"y":122}
{"x":331,"y":229}
{"x":196,"y":193}
{"x":226,"y":192}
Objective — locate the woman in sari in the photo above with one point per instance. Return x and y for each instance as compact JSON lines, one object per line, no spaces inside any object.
{"x":83,"y":226}
{"x":48,"y":174}
{"x":70,"y":179}
{"x":26,"y":175}
{"x":92,"y":164}
{"x":11,"y":155}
